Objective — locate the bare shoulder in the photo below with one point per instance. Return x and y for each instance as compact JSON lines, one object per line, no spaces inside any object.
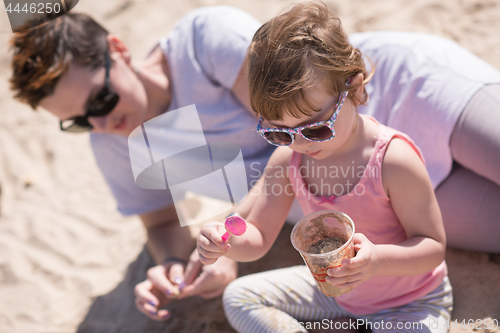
{"x":402,"y":167}
{"x":410,"y":190}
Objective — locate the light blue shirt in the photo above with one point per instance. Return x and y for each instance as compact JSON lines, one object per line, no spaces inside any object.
{"x":205,"y":51}
{"x":421,"y":85}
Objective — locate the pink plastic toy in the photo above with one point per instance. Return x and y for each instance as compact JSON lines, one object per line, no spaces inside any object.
{"x":235,"y":225}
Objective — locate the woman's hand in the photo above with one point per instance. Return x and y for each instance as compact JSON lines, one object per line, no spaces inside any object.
{"x":356,"y":270}
{"x":210,"y":245}
{"x":171,"y":281}
{"x":163,"y":284}
{"x":212,"y":280}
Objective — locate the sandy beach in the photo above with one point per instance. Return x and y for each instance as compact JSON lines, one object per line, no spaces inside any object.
{"x":69,"y":260}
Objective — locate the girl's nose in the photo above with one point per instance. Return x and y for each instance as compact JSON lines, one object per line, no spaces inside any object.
{"x":300,"y":142}
{"x":99,"y":123}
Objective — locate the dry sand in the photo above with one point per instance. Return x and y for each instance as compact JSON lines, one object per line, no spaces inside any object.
{"x":69,"y":261}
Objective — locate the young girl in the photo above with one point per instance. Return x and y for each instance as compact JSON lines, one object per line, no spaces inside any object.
{"x":306,"y":82}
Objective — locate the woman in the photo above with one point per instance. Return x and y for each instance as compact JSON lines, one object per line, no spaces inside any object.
{"x":63,"y":66}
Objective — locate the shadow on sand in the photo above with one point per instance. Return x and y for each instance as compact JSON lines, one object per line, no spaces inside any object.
{"x":474,"y":277}
{"x":116,"y":312}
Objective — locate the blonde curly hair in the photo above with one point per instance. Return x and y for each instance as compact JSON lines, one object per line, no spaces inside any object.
{"x":292,"y":51}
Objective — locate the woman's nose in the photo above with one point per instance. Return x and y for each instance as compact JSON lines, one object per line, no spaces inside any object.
{"x":99,"y":123}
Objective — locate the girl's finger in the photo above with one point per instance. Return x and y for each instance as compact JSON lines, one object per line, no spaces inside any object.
{"x":343,"y":270}
{"x":339,"y":281}
{"x":361,"y":258}
{"x":358,"y":238}
{"x":214,"y":235}
{"x":350,"y":285}
{"x":209,"y":254}
{"x":211,"y":245}
{"x":207,"y":261}
{"x":338,"y":272}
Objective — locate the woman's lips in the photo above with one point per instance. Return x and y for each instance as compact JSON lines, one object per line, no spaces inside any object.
{"x":121,"y":124}
{"x":314,"y":153}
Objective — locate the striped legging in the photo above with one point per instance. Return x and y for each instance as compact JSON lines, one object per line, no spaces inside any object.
{"x":275,"y":301}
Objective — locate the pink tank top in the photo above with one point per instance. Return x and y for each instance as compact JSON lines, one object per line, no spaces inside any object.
{"x":370,"y":208}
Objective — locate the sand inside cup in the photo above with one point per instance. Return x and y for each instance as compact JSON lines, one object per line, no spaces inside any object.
{"x":324,"y":239}
{"x":327,"y":245}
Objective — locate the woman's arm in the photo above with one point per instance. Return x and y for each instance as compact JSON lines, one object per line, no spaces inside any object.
{"x":166,"y":238}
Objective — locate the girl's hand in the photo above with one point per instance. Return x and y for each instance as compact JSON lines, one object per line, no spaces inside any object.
{"x":210,"y":245}
{"x":356,"y":270}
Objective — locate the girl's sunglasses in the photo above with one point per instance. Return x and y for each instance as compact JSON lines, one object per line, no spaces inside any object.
{"x":317,"y":132}
{"x":100,"y":106}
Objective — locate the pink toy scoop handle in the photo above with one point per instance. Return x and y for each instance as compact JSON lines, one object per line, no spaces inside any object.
{"x":226,"y":236}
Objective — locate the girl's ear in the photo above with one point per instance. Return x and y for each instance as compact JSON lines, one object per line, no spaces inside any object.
{"x":118,"y":48}
{"x":358,"y":92}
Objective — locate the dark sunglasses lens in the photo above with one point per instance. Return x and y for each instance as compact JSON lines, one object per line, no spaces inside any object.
{"x":279,"y":138}
{"x":103,"y":104}
{"x":318,"y":133}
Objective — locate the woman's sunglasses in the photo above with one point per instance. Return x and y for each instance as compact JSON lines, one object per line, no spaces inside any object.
{"x":317,"y":132}
{"x":100,"y":106}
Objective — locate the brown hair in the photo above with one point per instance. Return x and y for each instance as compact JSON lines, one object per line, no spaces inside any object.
{"x":290,"y":52}
{"x":42,"y":54}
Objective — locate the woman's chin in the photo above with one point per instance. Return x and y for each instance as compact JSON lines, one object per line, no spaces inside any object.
{"x":128,"y":126}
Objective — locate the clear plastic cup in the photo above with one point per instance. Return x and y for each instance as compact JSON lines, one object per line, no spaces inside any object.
{"x":312,"y":231}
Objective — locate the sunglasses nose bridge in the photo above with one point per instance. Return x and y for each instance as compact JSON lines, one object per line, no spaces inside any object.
{"x":300,"y":140}
{"x":295,"y":131}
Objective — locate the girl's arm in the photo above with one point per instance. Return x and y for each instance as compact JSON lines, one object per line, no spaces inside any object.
{"x":408,"y":185}
{"x":267,"y":204}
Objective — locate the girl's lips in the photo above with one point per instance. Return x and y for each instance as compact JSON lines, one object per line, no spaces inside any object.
{"x":313,"y":154}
